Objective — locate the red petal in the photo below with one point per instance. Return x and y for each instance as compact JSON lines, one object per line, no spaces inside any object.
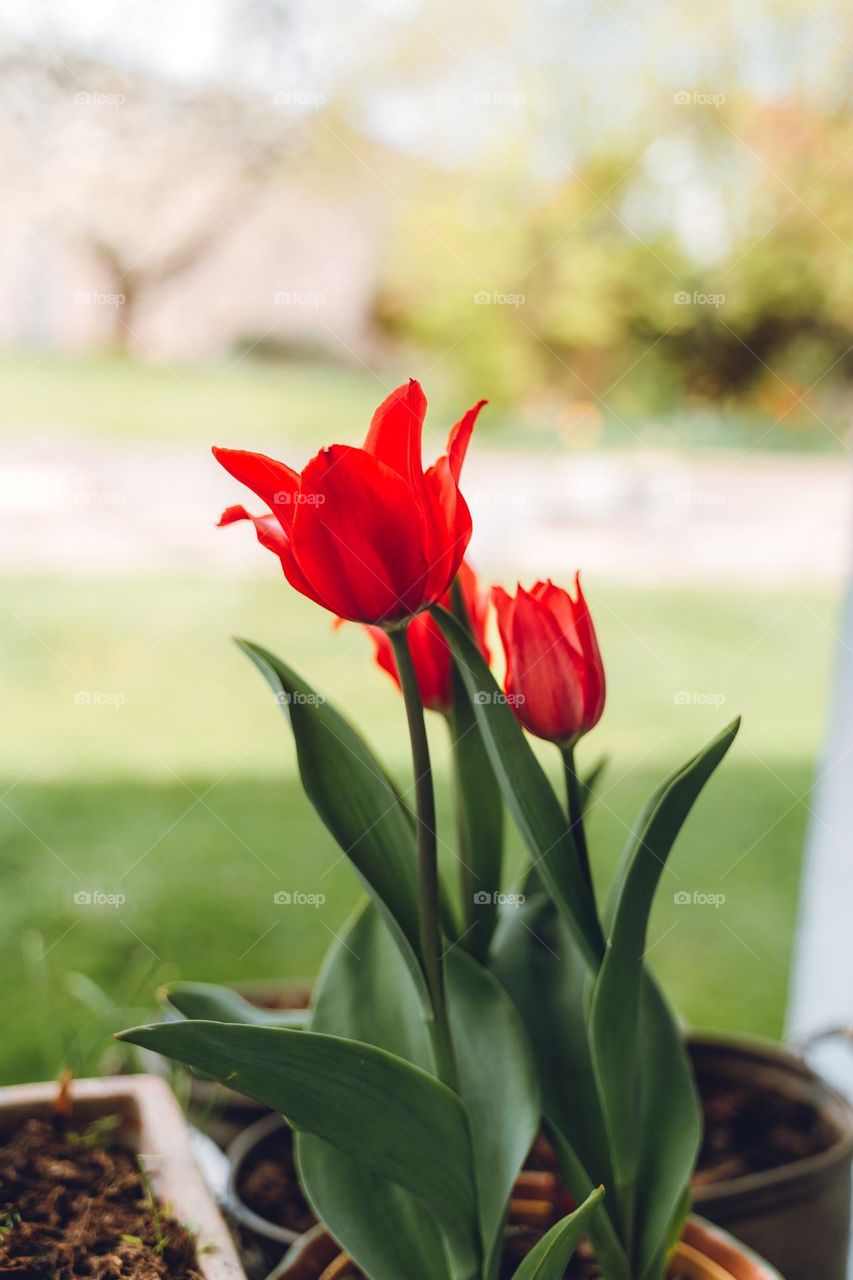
{"x":396,"y":431}
{"x":358,"y":537}
{"x":274,"y":482}
{"x":459,"y":439}
{"x":269,"y":531}
{"x":547,"y":672}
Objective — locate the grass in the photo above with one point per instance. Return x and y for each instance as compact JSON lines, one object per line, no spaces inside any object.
{"x":247,"y":399}
{"x":172,"y":782}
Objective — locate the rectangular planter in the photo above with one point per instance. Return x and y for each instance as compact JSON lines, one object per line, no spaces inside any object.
{"x":153,"y":1125}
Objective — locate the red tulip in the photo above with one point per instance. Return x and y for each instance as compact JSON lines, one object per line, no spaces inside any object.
{"x":554,"y":674}
{"x":366,"y":532}
{"x":430,"y":654}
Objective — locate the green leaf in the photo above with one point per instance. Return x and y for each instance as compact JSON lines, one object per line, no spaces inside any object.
{"x":401,"y":1121}
{"x":481,"y":825}
{"x":366,"y":993}
{"x":549,"y":1259}
{"x":356,"y":800}
{"x":615,"y":1015}
{"x":205,"y":1001}
{"x":498,"y":1085}
{"x":536,"y":960}
{"x":528,"y":794}
{"x":671,"y":1133}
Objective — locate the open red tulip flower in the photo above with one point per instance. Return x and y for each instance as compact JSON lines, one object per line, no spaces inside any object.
{"x":554,"y":673}
{"x":430,"y":655}
{"x":366,"y":533}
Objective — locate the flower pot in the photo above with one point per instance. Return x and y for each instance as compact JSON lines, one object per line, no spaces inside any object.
{"x":705,"y":1253}
{"x":151,"y":1123}
{"x":264,"y":1241}
{"x":796,"y":1214}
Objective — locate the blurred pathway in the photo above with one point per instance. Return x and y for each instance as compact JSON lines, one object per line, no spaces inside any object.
{"x":128,"y":507}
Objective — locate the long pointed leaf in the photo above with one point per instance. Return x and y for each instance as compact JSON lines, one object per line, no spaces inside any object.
{"x":549,"y":1259}
{"x":498,"y":1086}
{"x":355,"y":799}
{"x":527,"y":791}
{"x":206,"y":1002}
{"x":481,"y":822}
{"x":365,"y":992}
{"x":399,"y":1120}
{"x":615,"y":1014}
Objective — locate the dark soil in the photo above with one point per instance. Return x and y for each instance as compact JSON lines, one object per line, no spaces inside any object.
{"x":269,"y":1186}
{"x":78,"y":1206}
{"x":750,"y":1129}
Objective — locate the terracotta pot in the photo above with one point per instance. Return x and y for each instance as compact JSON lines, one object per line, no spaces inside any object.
{"x":797,"y":1215}
{"x":151,"y":1123}
{"x":705,"y":1253}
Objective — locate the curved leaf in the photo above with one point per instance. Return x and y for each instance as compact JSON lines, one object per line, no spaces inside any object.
{"x":480,"y":821}
{"x":499,"y":1088}
{"x":205,"y":1001}
{"x":549,"y":1259}
{"x":615,"y":1021}
{"x":356,"y":800}
{"x":527,"y":791}
{"x":366,"y":992}
{"x":399,"y":1120}
{"x":536,"y":960}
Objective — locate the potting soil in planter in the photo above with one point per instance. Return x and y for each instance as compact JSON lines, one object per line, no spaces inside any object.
{"x":78,"y":1205}
{"x":269,"y":1185}
{"x":751,"y":1128}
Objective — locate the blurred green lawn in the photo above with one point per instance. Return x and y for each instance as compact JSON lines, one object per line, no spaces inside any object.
{"x":245,"y":397}
{"x":173,"y":782}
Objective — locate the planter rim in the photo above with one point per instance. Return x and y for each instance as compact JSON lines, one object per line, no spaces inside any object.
{"x":315,"y":1251}
{"x":148,"y":1106}
{"x":784,"y":1179}
{"x":724,"y":1249}
{"x":238,"y":1150}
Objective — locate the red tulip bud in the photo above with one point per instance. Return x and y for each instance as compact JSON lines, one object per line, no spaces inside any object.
{"x":554,"y":673}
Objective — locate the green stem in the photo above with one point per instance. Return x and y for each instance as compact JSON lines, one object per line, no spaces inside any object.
{"x":574,"y":796}
{"x":427,"y":845}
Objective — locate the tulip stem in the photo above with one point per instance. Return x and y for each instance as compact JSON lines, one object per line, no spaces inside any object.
{"x":575,"y":798}
{"x":427,"y":845}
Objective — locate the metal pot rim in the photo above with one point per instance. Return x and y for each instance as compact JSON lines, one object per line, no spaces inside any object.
{"x":238,"y":1151}
{"x":785,"y":1180}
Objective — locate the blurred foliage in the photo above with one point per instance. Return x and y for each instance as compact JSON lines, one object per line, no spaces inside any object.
{"x":713,"y":266}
